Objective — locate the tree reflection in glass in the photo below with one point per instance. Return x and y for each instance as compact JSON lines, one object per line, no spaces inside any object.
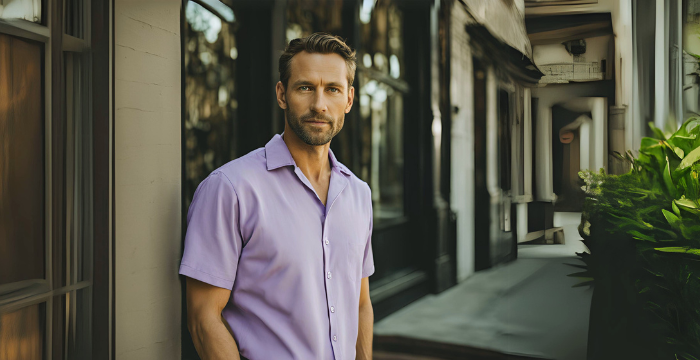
{"x":210,"y":95}
{"x":381,"y":106}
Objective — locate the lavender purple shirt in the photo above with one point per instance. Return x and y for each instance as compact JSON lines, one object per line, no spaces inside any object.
{"x":257,"y":227}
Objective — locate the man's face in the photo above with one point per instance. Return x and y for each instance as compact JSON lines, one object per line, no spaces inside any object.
{"x":317,"y":97}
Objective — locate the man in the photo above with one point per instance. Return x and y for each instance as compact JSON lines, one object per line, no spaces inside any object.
{"x":277,"y":250}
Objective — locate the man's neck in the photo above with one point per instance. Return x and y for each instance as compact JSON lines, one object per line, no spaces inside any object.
{"x":312,"y":160}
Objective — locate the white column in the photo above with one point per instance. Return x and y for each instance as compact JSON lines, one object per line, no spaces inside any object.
{"x":586,"y":145}
{"x":492,"y":163}
{"x":599,"y":149}
{"x":545,"y":188}
{"x":521,"y":210}
{"x":492,"y":135}
{"x":527,"y":141}
{"x":462,"y":144}
{"x":661,"y":66}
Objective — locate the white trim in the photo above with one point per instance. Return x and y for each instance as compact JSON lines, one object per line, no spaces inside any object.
{"x":25,"y":29}
{"x":74,"y":44}
{"x":43,"y":297}
{"x":660,"y":66}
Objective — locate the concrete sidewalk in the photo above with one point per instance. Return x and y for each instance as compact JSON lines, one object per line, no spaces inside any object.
{"x":525,"y":308}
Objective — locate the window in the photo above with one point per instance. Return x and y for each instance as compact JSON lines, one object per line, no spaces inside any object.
{"x":29,"y":10}
{"x":381,"y":94}
{"x":210,"y":95}
{"x":45,"y":195}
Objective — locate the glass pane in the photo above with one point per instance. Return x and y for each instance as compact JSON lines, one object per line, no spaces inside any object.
{"x":73,"y":22}
{"x":307,"y":17}
{"x":21,"y":161}
{"x":22,"y":333}
{"x":78,"y":174}
{"x":79,"y":337}
{"x":29,"y":10}
{"x":210,"y":95}
{"x":381,"y":106}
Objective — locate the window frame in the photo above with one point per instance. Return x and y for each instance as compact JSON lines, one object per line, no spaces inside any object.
{"x":61,"y":172}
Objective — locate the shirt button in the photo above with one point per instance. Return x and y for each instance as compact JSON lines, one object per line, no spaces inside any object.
{"x":335,"y":338}
{"x":328,"y":275}
{"x":332,"y":309}
{"x":327,"y":241}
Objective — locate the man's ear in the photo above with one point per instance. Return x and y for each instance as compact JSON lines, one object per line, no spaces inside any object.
{"x":281,"y":95}
{"x":351,"y":99}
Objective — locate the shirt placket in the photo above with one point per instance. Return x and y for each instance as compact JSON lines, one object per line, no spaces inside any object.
{"x":328,"y":246}
{"x":330,"y":298}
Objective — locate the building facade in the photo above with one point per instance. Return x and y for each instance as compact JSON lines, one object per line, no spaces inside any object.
{"x":140,"y":100}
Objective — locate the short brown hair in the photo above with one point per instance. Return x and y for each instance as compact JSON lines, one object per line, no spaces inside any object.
{"x":322,"y":43}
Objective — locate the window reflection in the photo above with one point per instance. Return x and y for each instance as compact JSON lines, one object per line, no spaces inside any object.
{"x":307,"y":17}
{"x":29,"y":10}
{"x":210,"y":95}
{"x":21,"y":161}
{"x":22,"y":334}
{"x":381,"y":98}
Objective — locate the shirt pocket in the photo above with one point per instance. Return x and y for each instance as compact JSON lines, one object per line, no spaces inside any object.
{"x":355,"y":255}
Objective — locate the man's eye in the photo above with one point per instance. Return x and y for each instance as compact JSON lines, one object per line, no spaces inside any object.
{"x":334,"y":90}
{"x":304,"y":88}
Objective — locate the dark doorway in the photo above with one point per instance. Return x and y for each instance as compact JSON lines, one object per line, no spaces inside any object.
{"x":566,"y":150}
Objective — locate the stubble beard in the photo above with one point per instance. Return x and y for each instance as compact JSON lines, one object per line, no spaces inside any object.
{"x":308,"y":133}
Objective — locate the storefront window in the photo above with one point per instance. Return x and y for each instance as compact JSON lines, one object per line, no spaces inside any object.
{"x":210,"y":95}
{"x":381,"y":96}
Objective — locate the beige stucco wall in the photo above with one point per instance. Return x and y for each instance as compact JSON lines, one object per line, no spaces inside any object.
{"x":147,"y":179}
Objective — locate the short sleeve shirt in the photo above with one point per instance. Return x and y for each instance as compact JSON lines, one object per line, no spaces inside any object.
{"x":257,"y":227}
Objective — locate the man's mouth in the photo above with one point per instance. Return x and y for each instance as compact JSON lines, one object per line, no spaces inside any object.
{"x":317,"y":122}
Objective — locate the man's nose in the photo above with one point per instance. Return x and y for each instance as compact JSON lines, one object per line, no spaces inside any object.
{"x":319,"y":102}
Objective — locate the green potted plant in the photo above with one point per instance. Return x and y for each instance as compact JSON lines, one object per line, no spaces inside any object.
{"x":642,"y":229}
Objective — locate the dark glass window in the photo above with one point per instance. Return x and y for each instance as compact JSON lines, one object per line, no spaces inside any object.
{"x":380,"y":99}
{"x":22,"y":333}
{"x":210,"y":94}
{"x":22,"y":176}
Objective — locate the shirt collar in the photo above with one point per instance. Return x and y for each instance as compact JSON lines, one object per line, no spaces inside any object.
{"x":278,"y":155}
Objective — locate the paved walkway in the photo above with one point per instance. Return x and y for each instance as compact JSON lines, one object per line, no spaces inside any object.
{"x":527,"y":307}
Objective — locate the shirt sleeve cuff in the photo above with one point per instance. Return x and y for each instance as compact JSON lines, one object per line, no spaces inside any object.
{"x":368,"y":272}
{"x":205,"y":277}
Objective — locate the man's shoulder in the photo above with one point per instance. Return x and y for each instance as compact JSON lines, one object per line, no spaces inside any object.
{"x":354,"y":180}
{"x":238,"y":168}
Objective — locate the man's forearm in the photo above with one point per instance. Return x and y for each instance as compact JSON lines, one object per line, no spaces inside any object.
{"x":365,"y":333}
{"x":213,"y":340}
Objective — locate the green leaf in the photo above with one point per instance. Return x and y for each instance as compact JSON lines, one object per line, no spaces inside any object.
{"x":582,"y":274}
{"x":690,"y":159}
{"x":584,"y":283}
{"x":688,"y":205}
{"x":657,"y":132}
{"x":672,"y":219}
{"x":679,"y":250}
{"x":668,"y":181}
{"x":584,"y":267}
{"x":639,"y":236}
{"x":679,"y":152}
{"x":675,"y":209}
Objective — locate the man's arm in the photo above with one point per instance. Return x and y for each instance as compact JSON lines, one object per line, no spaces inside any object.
{"x":363,"y":347}
{"x":210,"y":334}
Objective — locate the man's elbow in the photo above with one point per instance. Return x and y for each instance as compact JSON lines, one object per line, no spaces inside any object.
{"x":366,"y":308}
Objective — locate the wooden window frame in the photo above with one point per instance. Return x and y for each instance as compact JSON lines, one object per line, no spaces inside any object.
{"x":96,"y":82}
